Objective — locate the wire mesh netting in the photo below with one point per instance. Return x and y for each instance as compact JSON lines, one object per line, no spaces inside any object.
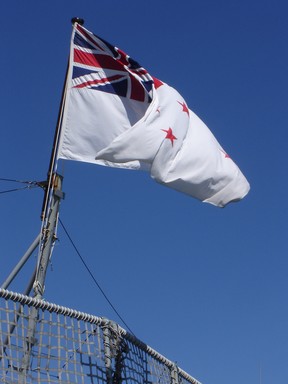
{"x":42,"y":342}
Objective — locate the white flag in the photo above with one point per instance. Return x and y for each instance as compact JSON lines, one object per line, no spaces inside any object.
{"x":116,"y":114}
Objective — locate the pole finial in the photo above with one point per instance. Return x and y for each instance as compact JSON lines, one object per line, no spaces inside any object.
{"x":77,"y":20}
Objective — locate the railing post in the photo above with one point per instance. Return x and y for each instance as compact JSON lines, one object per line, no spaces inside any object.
{"x":108,"y":352}
{"x":174,"y":375}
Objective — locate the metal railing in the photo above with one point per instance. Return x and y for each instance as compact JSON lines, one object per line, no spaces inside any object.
{"x":75,"y":347}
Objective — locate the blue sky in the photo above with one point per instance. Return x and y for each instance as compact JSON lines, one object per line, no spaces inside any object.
{"x":204,"y":286}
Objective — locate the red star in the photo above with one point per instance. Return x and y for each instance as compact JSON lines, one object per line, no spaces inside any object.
{"x":169,"y":135}
{"x":184,"y":106}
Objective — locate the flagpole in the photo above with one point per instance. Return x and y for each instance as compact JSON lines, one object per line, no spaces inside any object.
{"x":49,"y":215}
{"x":51,"y":169}
{"x":52,"y":197}
{"x":74,"y":20}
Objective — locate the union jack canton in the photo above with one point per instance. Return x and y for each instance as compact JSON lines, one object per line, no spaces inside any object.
{"x":99,"y":66}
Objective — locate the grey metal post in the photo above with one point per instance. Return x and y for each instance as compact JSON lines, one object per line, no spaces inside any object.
{"x":50,"y":211}
{"x":108,"y":353}
{"x":174,"y":374}
{"x":47,"y":241}
{"x":48,"y":237}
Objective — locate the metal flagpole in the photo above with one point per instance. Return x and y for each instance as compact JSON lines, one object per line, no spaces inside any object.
{"x":51,"y":202}
{"x":50,"y":212}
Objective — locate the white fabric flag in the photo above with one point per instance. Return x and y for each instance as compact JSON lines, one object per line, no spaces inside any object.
{"x":116,"y":114}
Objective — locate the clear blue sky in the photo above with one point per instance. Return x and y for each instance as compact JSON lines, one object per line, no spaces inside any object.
{"x":204,"y":286}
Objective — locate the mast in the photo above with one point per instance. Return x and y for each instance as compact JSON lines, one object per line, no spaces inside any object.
{"x":48,"y":238}
{"x":52,"y":198}
{"x":50,"y":212}
{"x":49,"y":234}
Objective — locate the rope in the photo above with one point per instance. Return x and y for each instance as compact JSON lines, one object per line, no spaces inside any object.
{"x":30,"y":185}
{"x":15,"y":181}
{"x":18,"y":189}
{"x":93,"y":278}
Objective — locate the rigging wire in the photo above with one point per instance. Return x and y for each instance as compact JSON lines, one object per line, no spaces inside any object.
{"x":93,"y":278}
{"x":15,"y":181}
{"x":18,"y":189}
{"x":35,"y":184}
{"x":30,"y":185}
